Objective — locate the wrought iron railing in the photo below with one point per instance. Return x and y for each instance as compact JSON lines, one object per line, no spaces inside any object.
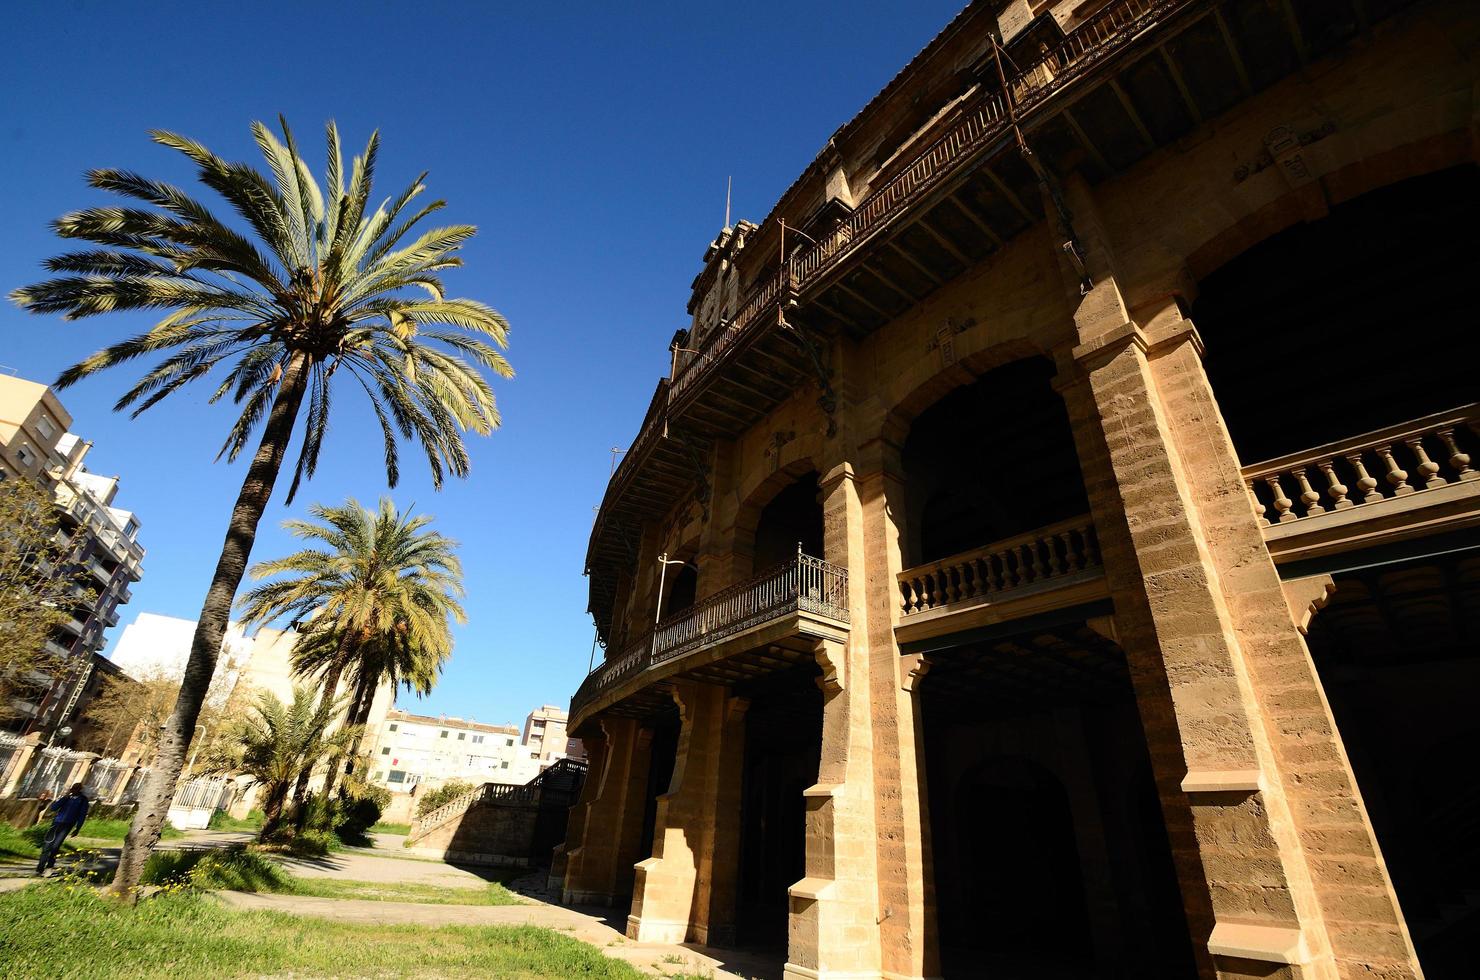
{"x":803,"y":584}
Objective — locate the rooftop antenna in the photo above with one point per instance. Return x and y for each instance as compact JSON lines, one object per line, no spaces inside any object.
{"x":728,"y":181}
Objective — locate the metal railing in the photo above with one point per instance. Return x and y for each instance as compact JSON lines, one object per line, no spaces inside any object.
{"x":51,"y":772}
{"x":803,"y":584}
{"x":1053,"y":552}
{"x":103,"y":777}
{"x":203,"y":793}
{"x":1423,"y":454}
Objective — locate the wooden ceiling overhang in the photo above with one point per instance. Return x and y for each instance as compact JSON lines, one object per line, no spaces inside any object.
{"x":1125,"y":88}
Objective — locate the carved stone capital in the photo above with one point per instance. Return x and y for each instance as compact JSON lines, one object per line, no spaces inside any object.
{"x":1306,"y":597}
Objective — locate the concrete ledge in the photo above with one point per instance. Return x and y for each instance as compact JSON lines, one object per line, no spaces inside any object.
{"x":823,"y":791}
{"x":471,"y":857}
{"x":646,"y":930}
{"x":793,"y":972}
{"x":812,"y":889}
{"x":1222,"y":781}
{"x":1269,"y":944}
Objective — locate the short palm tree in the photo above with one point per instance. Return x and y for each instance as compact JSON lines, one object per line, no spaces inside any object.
{"x":323,"y":289}
{"x":376,"y":578}
{"x":277,"y":742}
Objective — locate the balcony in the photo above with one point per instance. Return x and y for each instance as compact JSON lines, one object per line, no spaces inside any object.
{"x":949,"y":202}
{"x":1387,"y":488}
{"x":717,"y":638}
{"x":1051,"y":568}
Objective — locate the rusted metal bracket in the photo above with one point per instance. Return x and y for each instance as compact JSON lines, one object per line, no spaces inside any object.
{"x":828,"y":402}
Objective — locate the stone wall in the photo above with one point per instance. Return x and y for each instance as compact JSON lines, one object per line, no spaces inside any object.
{"x":495,"y":834}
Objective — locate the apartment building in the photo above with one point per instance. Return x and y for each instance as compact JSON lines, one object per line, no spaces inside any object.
{"x":101,"y":542}
{"x":414,"y":753}
{"x":545,"y":737}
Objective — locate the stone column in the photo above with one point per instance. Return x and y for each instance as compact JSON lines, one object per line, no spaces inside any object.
{"x":670,"y":899}
{"x":1232,"y":707}
{"x":575,"y":828}
{"x":833,"y":926}
{"x":20,"y":763}
{"x":599,"y":870}
{"x":907,"y":923}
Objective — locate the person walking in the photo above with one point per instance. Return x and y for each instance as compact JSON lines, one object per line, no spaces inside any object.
{"x":67,"y":817}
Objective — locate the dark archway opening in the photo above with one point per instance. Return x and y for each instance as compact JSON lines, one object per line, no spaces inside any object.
{"x":794,"y":516}
{"x":783,"y":744}
{"x":1050,"y":857}
{"x":1398,"y":651}
{"x":1350,"y":323}
{"x":683,"y":584}
{"x":990,"y":460}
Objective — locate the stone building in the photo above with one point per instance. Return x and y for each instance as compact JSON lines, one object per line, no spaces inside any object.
{"x":1072,"y":483}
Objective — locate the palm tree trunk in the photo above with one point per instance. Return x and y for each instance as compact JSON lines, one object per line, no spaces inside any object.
{"x":272,"y":812}
{"x":331,"y":681}
{"x":352,"y":712}
{"x":215,"y":613}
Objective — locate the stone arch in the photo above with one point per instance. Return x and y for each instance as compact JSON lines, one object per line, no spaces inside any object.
{"x":760,"y":494}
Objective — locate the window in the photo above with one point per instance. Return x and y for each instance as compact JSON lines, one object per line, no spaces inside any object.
{"x":386,"y":750}
{"x":392,"y":727}
{"x":379,"y":774}
{"x":44,"y":426}
{"x":508,"y":741}
{"x":461,"y":736}
{"x":25,"y":455}
{"x":444,"y":733}
{"x":503,"y":765}
{"x":396,"y":776}
{"x":477,"y":739}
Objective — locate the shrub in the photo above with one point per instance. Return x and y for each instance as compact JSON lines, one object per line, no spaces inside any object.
{"x":233,"y":868}
{"x":221,"y":820}
{"x":445,"y":793}
{"x":355,"y":818}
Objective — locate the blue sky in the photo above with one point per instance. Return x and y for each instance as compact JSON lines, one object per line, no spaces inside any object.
{"x":589,"y":142}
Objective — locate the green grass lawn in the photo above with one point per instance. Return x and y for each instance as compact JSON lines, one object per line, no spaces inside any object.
{"x":390,"y":828}
{"x":252,"y":822}
{"x":491,"y":894}
{"x":17,"y":844}
{"x":49,"y":931}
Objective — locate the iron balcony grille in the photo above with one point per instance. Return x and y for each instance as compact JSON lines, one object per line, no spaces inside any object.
{"x":802,"y":584}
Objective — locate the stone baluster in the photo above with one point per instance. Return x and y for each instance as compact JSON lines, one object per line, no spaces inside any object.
{"x":996,"y":572}
{"x":978,"y":580}
{"x":1055,"y":561}
{"x":1428,"y":470}
{"x":1334,"y":487}
{"x":1281,"y":502}
{"x":1458,"y":461}
{"x":1034,"y":562}
{"x":1259,"y":507}
{"x":1366,"y":483}
{"x":1397,"y":477}
{"x":1012,"y":569}
{"x":957,"y":578}
{"x":1071,"y":557}
{"x":1308,"y":496}
{"x":1091,"y":545}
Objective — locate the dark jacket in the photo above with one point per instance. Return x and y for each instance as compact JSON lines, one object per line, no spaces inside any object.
{"x":68,"y":811}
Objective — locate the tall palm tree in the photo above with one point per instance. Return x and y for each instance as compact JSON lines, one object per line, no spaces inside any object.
{"x":322,"y":286}
{"x":373,"y":574}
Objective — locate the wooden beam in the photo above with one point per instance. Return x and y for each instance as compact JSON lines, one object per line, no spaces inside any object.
{"x":1181,"y":84}
{"x":911,"y":260}
{"x":941,"y":239}
{"x":1130,"y":110}
{"x":1003,"y":189}
{"x":862,"y":299}
{"x":890,"y":284}
{"x":1085,"y":141}
{"x":975,"y":219}
{"x":1232,"y":46}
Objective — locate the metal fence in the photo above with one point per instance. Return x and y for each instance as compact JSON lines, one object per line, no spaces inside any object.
{"x":51,"y":772}
{"x":10,"y":750}
{"x":104,"y":777}
{"x":205,"y":793}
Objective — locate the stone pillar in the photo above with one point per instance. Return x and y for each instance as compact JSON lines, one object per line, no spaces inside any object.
{"x":674,"y":887}
{"x":20,"y":763}
{"x":834,"y":921}
{"x":906,"y":894}
{"x":1230,"y":701}
{"x":575,"y":828}
{"x":80,"y":769}
{"x":599,"y":870}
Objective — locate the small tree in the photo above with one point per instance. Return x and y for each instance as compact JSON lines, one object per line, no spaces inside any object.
{"x":39,"y":586}
{"x":130,"y":712}
{"x":276,"y":742}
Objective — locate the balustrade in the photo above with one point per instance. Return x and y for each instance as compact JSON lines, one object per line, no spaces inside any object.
{"x":1052,"y":552}
{"x":1424,"y":454}
{"x":803,"y":584}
